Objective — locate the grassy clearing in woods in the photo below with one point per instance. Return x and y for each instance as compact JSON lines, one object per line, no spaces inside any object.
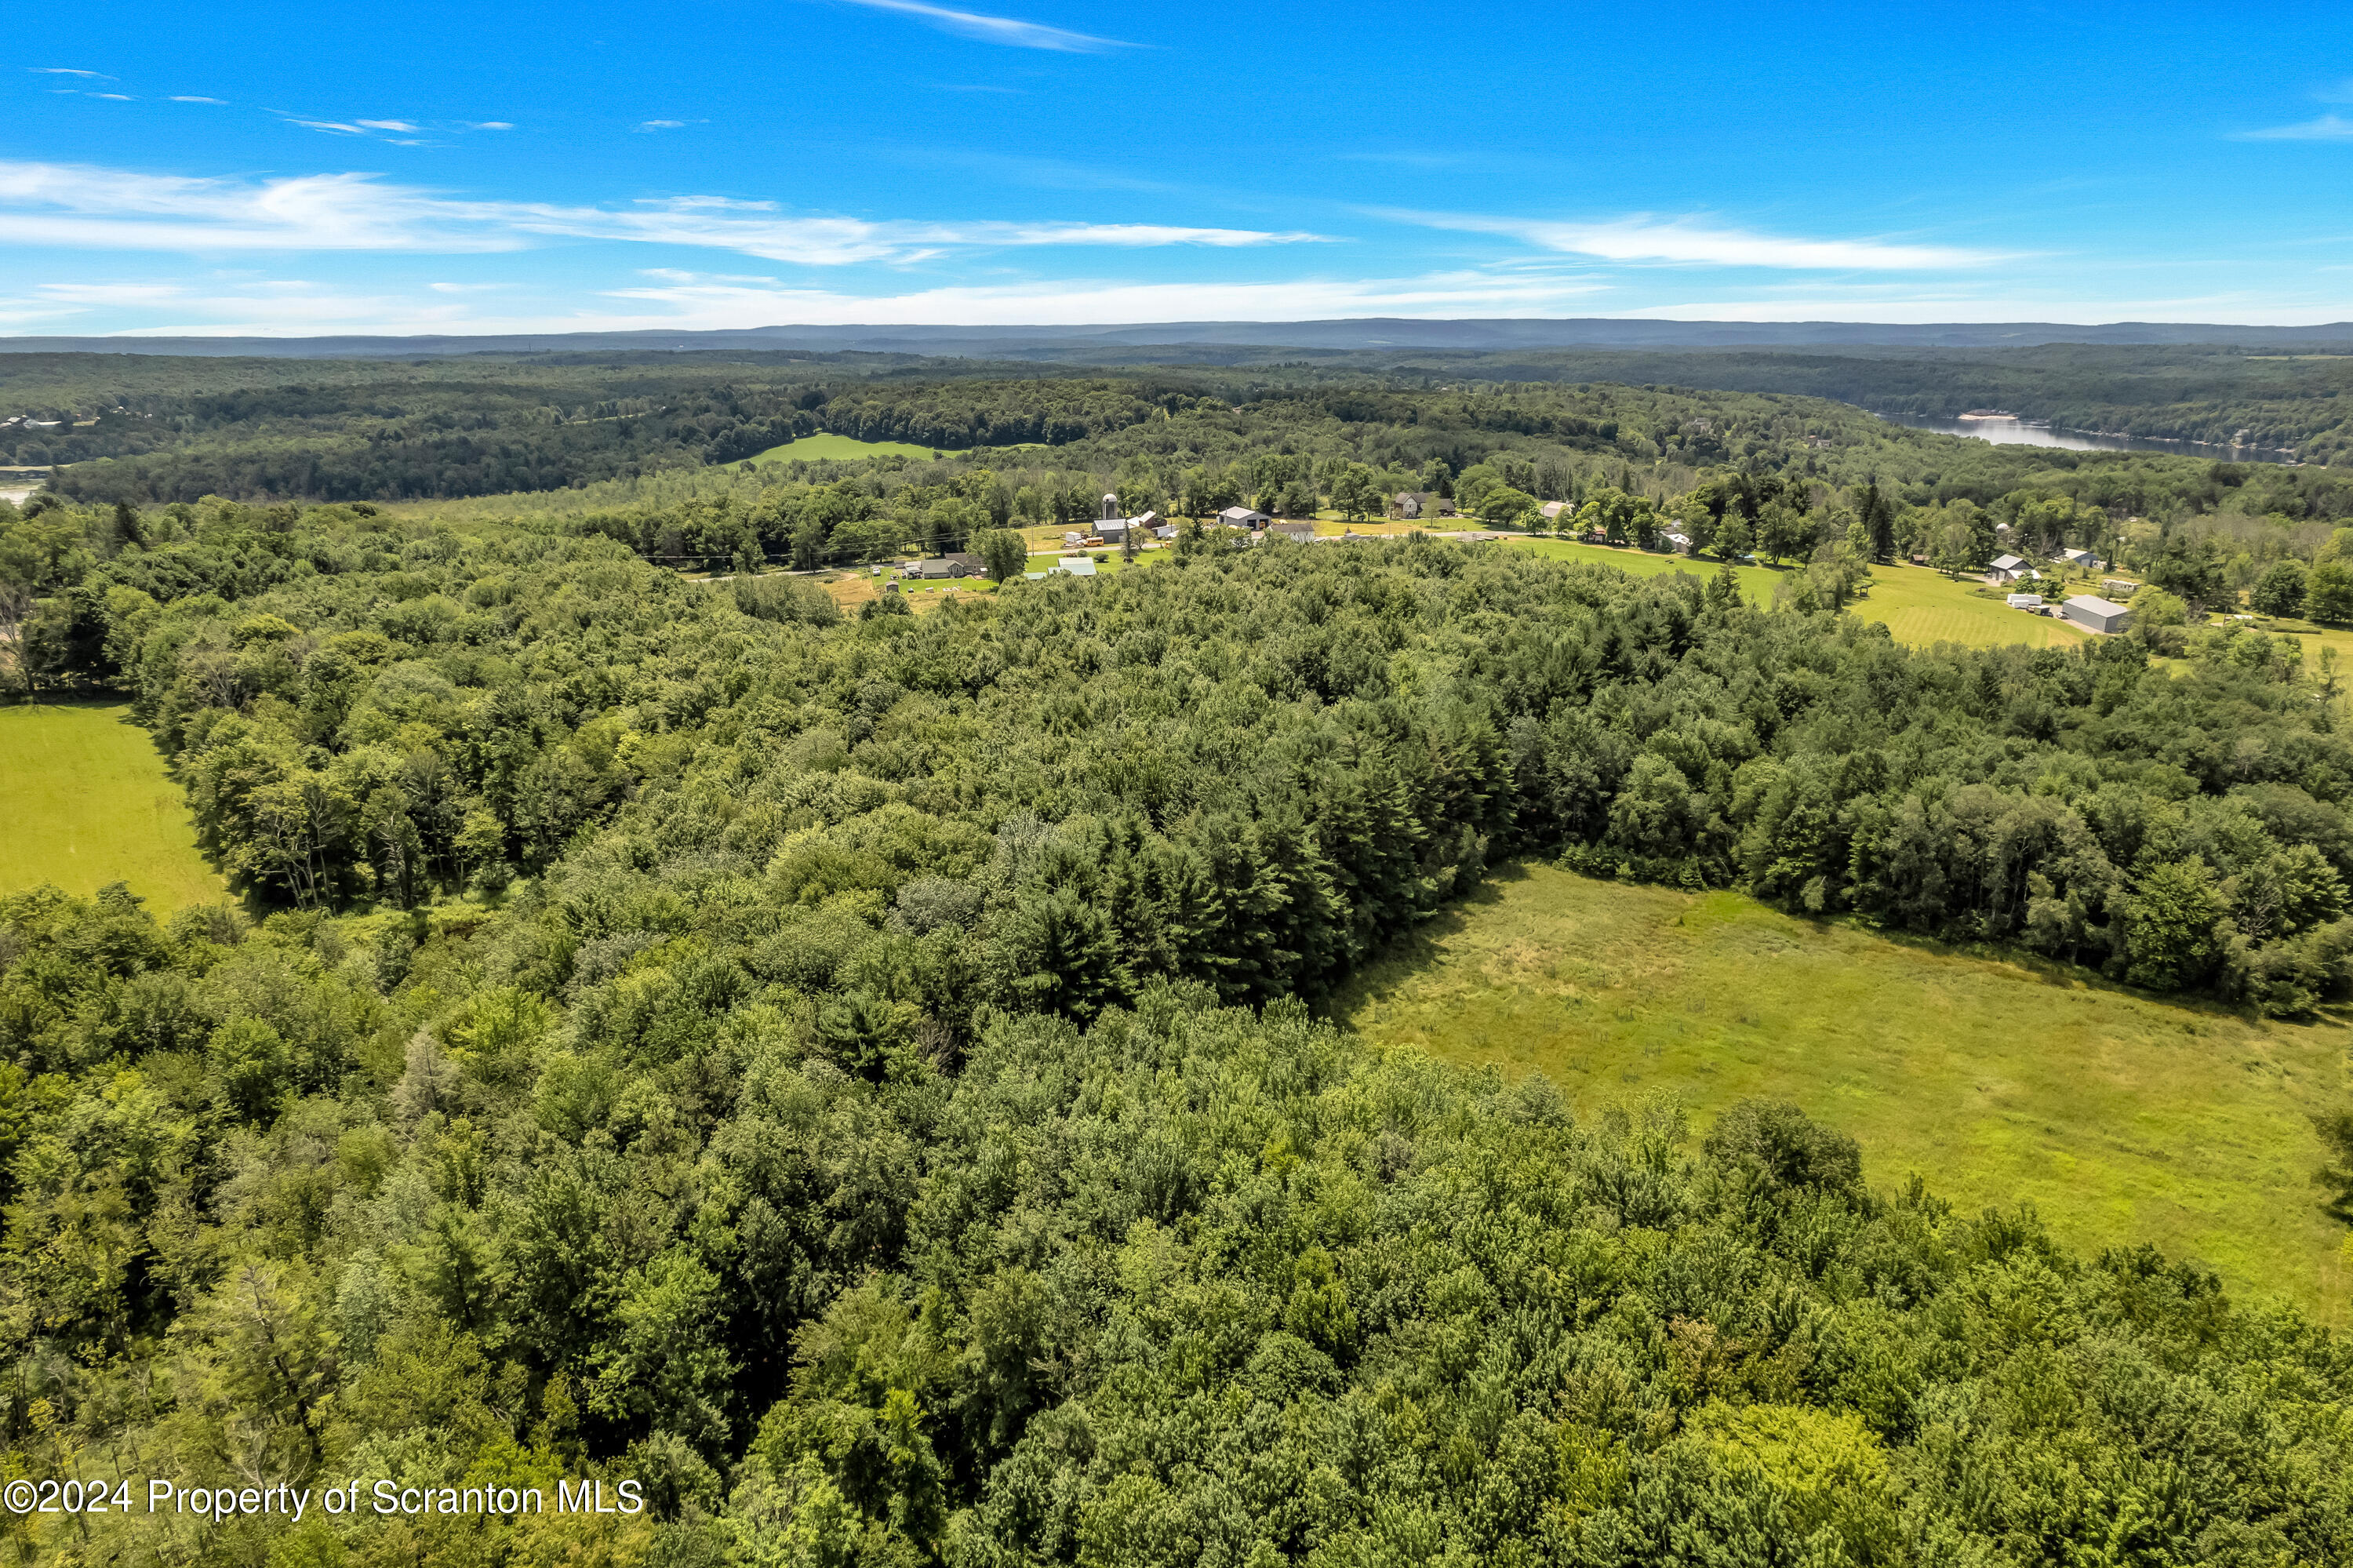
{"x":2121,"y":1117}
{"x":84,"y":800}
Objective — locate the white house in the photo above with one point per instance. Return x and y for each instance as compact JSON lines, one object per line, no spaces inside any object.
{"x":2095,"y":614}
{"x":2009,"y":569}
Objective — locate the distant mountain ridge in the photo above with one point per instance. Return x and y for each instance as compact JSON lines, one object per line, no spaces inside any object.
{"x":1355,"y":334}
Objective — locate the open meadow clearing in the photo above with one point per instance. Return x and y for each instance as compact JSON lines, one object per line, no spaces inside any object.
{"x":84,"y":801}
{"x":1920,"y":606}
{"x":826,"y":447}
{"x":2121,"y":1117}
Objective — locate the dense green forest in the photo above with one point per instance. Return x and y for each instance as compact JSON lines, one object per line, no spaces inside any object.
{"x":2278,"y":399}
{"x":117,"y":428}
{"x":149,"y":431}
{"x":869,"y":1089}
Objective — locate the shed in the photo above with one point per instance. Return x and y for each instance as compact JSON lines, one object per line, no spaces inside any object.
{"x":2094,"y":614}
{"x":1243,"y":517}
{"x":1551,"y":510}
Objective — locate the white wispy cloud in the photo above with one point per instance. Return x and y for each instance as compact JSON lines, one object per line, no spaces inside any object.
{"x":673,"y":301}
{"x":688,"y":299}
{"x":398,"y":133}
{"x":87,"y":208}
{"x":193,"y":97}
{"x":2328,"y":128}
{"x":998,"y":29}
{"x":660,"y":124}
{"x":68,"y":70}
{"x":1686,"y":241}
{"x":491,"y":125}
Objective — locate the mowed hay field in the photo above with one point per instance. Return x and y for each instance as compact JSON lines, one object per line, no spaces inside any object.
{"x":1920,"y":606}
{"x":84,"y":801}
{"x":827,"y":447}
{"x":2122,"y":1118}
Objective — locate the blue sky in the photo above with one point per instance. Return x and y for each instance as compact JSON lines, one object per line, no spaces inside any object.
{"x":320,"y":167}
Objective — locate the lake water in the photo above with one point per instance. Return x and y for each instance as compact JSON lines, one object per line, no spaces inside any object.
{"x":2012,"y":433}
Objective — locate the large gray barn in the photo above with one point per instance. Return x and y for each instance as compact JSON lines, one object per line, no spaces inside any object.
{"x":2096,"y":614}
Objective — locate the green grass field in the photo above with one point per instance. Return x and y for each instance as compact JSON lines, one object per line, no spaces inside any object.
{"x":2121,"y":1117}
{"x":84,"y":801}
{"x":826,"y":447}
{"x":1920,"y":606}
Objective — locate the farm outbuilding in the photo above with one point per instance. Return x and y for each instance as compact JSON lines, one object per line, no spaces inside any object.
{"x":1243,"y":517}
{"x":2095,"y":614}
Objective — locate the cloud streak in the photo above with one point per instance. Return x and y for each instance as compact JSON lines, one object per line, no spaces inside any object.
{"x":1687,"y":242}
{"x":1003,"y":30}
{"x":2328,"y":128}
{"x":84,"y":207}
{"x":676,"y":300}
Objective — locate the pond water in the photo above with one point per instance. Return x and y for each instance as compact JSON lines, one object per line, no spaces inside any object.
{"x":2017,"y":433}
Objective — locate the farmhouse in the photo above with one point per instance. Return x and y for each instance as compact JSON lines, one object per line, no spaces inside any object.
{"x":2084,"y":560}
{"x":1243,"y":517}
{"x":1551,"y":510}
{"x":2007,"y":569}
{"x":1410,"y":505}
{"x":2095,"y":614}
{"x":1299,"y":533}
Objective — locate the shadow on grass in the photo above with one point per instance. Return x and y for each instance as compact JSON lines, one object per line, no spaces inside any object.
{"x":1417,"y":949}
